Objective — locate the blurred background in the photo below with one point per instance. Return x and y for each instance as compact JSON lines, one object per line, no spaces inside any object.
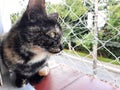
{"x":91,"y":33}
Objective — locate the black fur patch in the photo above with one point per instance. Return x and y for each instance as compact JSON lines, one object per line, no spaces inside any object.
{"x":29,"y":70}
{"x":34,"y":31}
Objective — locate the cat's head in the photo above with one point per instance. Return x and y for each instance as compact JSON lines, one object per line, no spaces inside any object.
{"x":40,"y":29}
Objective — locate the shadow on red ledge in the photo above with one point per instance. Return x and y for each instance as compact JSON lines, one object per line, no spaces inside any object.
{"x":64,"y":78}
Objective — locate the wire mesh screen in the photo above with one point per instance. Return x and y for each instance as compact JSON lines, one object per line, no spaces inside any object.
{"x":91,"y":36}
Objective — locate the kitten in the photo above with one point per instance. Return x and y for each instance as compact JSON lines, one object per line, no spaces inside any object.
{"x":30,"y":42}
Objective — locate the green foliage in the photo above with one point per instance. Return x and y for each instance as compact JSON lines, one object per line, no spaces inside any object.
{"x":88,"y":40}
{"x":70,"y":11}
{"x":115,"y":16}
{"x":111,"y":32}
{"x":14,"y":17}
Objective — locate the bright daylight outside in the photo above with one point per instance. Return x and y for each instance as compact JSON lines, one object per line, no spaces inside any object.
{"x":91,"y":35}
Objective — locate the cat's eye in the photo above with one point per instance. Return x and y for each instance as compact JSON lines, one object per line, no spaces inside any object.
{"x":52,"y":34}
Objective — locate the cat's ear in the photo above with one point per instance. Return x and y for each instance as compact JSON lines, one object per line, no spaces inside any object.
{"x":54,"y":16}
{"x":36,"y":5}
{"x":35,"y":9}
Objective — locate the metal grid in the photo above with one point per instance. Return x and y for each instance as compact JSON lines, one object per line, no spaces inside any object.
{"x":86,"y":25}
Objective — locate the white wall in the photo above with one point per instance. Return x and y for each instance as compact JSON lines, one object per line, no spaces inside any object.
{"x":1,"y":27}
{"x":5,"y":23}
{"x":6,"y":8}
{"x":101,"y":19}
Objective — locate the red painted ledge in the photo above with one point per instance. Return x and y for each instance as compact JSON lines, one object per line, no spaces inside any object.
{"x":64,"y":78}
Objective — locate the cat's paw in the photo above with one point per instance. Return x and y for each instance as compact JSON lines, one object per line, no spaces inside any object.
{"x":44,"y":71}
{"x":21,"y":83}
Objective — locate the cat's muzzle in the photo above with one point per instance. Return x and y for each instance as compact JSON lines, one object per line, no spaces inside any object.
{"x":56,"y":49}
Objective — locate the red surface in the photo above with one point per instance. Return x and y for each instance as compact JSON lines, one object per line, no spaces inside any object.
{"x":64,"y":78}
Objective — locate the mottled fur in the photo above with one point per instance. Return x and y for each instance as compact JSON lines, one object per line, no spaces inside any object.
{"x":30,"y":42}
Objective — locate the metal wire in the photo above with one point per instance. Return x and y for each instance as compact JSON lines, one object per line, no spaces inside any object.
{"x":104,"y":70}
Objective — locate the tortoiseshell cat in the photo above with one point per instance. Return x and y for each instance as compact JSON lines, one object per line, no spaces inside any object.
{"x":30,"y":42}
